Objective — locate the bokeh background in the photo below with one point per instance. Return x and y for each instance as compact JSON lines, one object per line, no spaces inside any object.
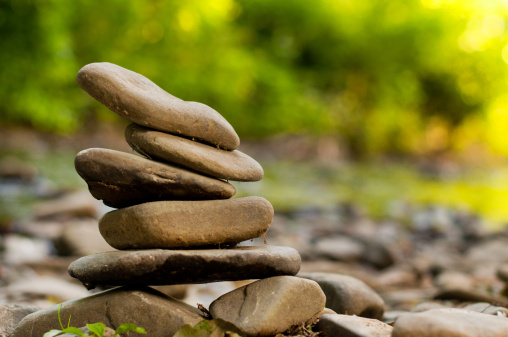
{"x":380,"y":103}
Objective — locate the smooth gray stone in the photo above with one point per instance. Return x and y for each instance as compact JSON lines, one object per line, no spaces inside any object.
{"x":183,"y":224}
{"x":487,"y":308}
{"x":122,"y":179}
{"x":348,"y":295}
{"x":160,"y":315}
{"x":450,"y":323}
{"x":229,"y":165}
{"x":270,"y":306}
{"x":141,"y":101}
{"x":164,"y":267}
{"x":352,"y":326}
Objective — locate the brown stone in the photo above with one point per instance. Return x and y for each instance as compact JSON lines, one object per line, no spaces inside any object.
{"x":160,"y":315}
{"x":164,"y":267}
{"x":183,"y":224}
{"x":121,"y":179}
{"x":352,"y":326}
{"x":270,"y":306}
{"x":230,"y":165}
{"x":141,"y":101}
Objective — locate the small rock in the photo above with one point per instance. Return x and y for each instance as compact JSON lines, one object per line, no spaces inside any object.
{"x":454,"y":280}
{"x":159,"y":315}
{"x":340,"y":248}
{"x":450,"y":323}
{"x":487,"y":308}
{"x":348,"y":295}
{"x":78,"y":204}
{"x":19,"y":249}
{"x":183,"y":224}
{"x":13,"y":168}
{"x":141,"y":101}
{"x":121,"y":179}
{"x":80,"y":237}
{"x":472,"y":295}
{"x":502,"y":272}
{"x":229,"y":165}
{"x":11,"y":315}
{"x":164,"y":267}
{"x":424,"y":306}
{"x":352,"y":326}
{"x":270,"y":306}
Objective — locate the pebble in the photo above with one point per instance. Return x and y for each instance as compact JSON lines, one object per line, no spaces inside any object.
{"x":450,"y":323}
{"x":487,"y":308}
{"x":502,"y":272}
{"x":12,"y":314}
{"x":472,"y":295}
{"x":121,"y":179}
{"x":80,"y":237}
{"x":77,"y":204}
{"x":161,"y":316}
{"x":184,"y":224}
{"x":229,"y":165}
{"x":270,"y":306}
{"x":163,"y":267}
{"x":340,"y":248}
{"x":141,"y":101}
{"x":348,"y":295}
{"x":352,"y":326}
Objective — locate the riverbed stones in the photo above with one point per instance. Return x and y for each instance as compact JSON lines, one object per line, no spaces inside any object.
{"x":450,"y":323}
{"x":181,"y":224}
{"x":122,"y":179}
{"x":352,"y":326}
{"x":164,"y":267}
{"x":348,"y":295}
{"x":160,"y":315}
{"x":133,"y":96}
{"x":270,"y":306}
{"x":229,"y":165}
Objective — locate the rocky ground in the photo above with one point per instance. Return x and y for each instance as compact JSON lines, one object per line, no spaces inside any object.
{"x":416,"y":267}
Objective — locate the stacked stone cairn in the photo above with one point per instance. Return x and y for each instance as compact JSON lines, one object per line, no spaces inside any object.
{"x":176,"y":222}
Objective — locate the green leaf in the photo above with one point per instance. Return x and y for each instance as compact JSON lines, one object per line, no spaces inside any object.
{"x":52,"y":333}
{"x":74,"y":330}
{"x":126,"y":327}
{"x":97,"y":328}
{"x":203,"y":325}
{"x":189,"y":331}
{"x":59,"y":320}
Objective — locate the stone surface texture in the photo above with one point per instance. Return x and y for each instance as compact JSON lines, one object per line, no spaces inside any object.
{"x":229,"y":165}
{"x":141,"y":101}
{"x":348,"y":295}
{"x":270,"y":306}
{"x":11,"y":315}
{"x":183,"y":224}
{"x":450,"y":323}
{"x":122,"y":179}
{"x":352,"y":326}
{"x":164,"y":267}
{"x":161,"y":316}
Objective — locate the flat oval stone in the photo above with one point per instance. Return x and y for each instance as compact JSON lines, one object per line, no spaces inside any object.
{"x":141,"y":101}
{"x":182,"y":224}
{"x":164,"y":267}
{"x":122,"y":179}
{"x":230,"y":165}
{"x":270,"y":306}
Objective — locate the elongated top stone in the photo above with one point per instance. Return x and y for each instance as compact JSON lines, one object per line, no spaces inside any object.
{"x":162,"y":266}
{"x":183,"y":224}
{"x":133,"y":96}
{"x":230,"y":165}
{"x":121,"y":179}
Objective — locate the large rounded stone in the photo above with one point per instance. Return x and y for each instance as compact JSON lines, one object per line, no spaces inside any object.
{"x":348,"y":295}
{"x":352,"y":326}
{"x":160,"y":315}
{"x":161,"y":267}
{"x":230,"y":165}
{"x":270,"y":306}
{"x":450,"y":323}
{"x":122,"y":179}
{"x":181,"y":224}
{"x":141,"y":101}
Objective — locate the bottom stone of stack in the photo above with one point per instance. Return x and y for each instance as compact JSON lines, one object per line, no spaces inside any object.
{"x":165,"y":267}
{"x":160,"y":315}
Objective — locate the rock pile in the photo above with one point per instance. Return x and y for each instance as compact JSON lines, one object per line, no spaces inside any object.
{"x":176,"y":223}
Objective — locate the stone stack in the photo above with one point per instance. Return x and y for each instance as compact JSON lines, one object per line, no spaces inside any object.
{"x":176,"y":223}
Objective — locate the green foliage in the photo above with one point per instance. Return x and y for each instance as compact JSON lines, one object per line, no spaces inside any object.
{"x":96,"y":329}
{"x":379,"y":74}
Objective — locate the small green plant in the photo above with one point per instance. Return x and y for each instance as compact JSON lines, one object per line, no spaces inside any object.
{"x":97,"y":329}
